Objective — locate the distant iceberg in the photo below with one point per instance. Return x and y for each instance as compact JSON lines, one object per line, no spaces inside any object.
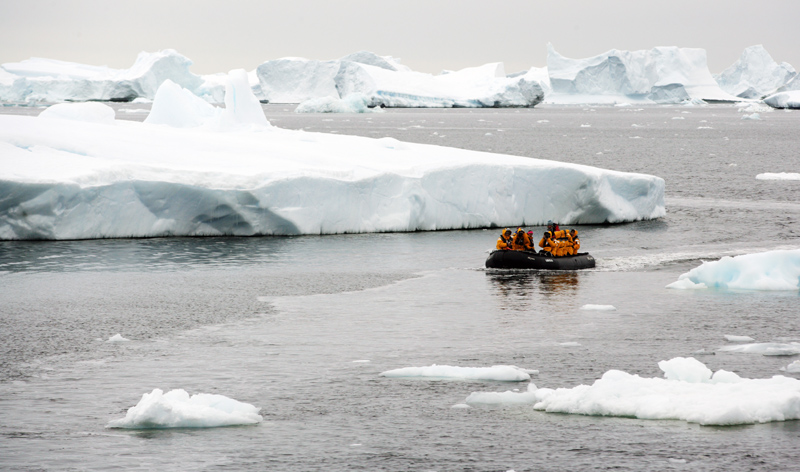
{"x":385,"y":83}
{"x":755,"y":74}
{"x":771,"y":270}
{"x":690,"y":392}
{"x":660,"y":75}
{"x":192,"y":169}
{"x":50,"y":80}
{"x":176,"y":409}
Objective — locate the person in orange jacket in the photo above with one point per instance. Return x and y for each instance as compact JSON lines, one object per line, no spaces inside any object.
{"x":504,"y":242}
{"x":547,"y":244}
{"x":521,"y":241}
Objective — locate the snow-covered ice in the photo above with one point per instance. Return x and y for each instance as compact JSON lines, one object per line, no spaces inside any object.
{"x":754,"y":117}
{"x":501,"y":373}
{"x":794,"y":367}
{"x":784,"y":99}
{"x":755,"y":74}
{"x":660,"y":75}
{"x":778,"y":176}
{"x":772,"y":270}
{"x":689,"y":392}
{"x":193,"y":169}
{"x":176,"y":409}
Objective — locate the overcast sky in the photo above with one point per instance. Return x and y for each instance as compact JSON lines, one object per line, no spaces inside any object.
{"x":428,"y":35}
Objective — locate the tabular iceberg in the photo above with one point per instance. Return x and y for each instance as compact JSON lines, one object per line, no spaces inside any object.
{"x":385,"y":83}
{"x":660,"y":75}
{"x":80,"y":174}
{"x":755,"y":74}
{"x":56,"y":81}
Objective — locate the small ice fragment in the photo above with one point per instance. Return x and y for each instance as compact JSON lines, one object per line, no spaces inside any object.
{"x":738,"y":339}
{"x":569,"y":344}
{"x":599,"y":307}
{"x":117,"y":338}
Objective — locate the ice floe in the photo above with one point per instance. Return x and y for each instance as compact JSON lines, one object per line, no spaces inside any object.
{"x":501,"y":373}
{"x":193,"y":169}
{"x":772,"y":270}
{"x":765,"y":349}
{"x":738,"y":339}
{"x":778,"y":176}
{"x":599,"y":307}
{"x":117,"y":338}
{"x":353,"y":103}
{"x":689,"y":392}
{"x":176,"y":409}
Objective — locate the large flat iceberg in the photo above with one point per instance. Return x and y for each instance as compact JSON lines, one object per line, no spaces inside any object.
{"x":660,"y":75}
{"x":81,"y":174}
{"x":50,"y":80}
{"x":689,"y":392}
{"x":790,"y":99}
{"x":771,"y":270}
{"x":176,"y":409}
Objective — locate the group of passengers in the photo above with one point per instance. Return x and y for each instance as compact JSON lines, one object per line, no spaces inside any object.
{"x":554,"y":242}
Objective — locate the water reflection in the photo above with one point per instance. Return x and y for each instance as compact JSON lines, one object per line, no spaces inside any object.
{"x":516,"y":289}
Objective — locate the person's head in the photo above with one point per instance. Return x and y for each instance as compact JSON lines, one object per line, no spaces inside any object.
{"x":550,"y":225}
{"x":506,"y":232}
{"x":548,"y":234}
{"x":573,"y":232}
{"x":520,"y":231}
{"x":530,"y":233}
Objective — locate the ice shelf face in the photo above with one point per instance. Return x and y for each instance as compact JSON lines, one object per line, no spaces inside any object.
{"x":79,"y":174}
{"x":56,"y":81}
{"x":755,"y":74}
{"x":660,"y":75}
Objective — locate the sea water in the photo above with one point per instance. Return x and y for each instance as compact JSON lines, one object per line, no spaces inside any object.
{"x":303,"y":326}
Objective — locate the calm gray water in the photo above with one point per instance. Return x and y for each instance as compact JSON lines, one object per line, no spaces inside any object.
{"x":278,"y":322}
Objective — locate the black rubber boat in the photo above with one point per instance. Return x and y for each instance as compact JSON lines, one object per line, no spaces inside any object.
{"x":532,"y":260}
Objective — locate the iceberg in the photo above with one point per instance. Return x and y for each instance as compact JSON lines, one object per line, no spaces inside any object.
{"x":50,"y":80}
{"x":778,"y":176}
{"x":689,"y":391}
{"x":192,"y":169}
{"x":473,"y":87}
{"x":755,"y":74}
{"x":500,"y":373}
{"x":176,"y":409}
{"x":353,"y":103}
{"x":772,"y":270}
{"x":789,"y":99}
{"x":660,"y":75}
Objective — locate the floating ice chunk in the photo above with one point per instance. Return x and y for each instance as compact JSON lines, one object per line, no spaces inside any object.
{"x":570,"y":344}
{"x":794,"y":367}
{"x":502,"y":373}
{"x":599,"y":307}
{"x":460,"y":406}
{"x":693,"y":395}
{"x":353,"y":103}
{"x":176,"y":409}
{"x":241,"y":106}
{"x":89,"y":112}
{"x":779,"y":176}
{"x":766,"y":349}
{"x":772,"y":270}
{"x":117,"y":338}
{"x":503,"y":398}
{"x":754,"y":117}
{"x":784,"y":99}
{"x":738,"y":339}
{"x":754,"y":107}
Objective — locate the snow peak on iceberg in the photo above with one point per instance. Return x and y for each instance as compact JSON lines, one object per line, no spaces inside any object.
{"x":196,"y":170}
{"x":660,"y":75}
{"x":755,"y":74}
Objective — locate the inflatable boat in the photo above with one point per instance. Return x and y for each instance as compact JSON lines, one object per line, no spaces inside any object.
{"x":533,"y":260}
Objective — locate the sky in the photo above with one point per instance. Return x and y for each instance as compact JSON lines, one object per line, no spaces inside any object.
{"x":428,"y":36}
